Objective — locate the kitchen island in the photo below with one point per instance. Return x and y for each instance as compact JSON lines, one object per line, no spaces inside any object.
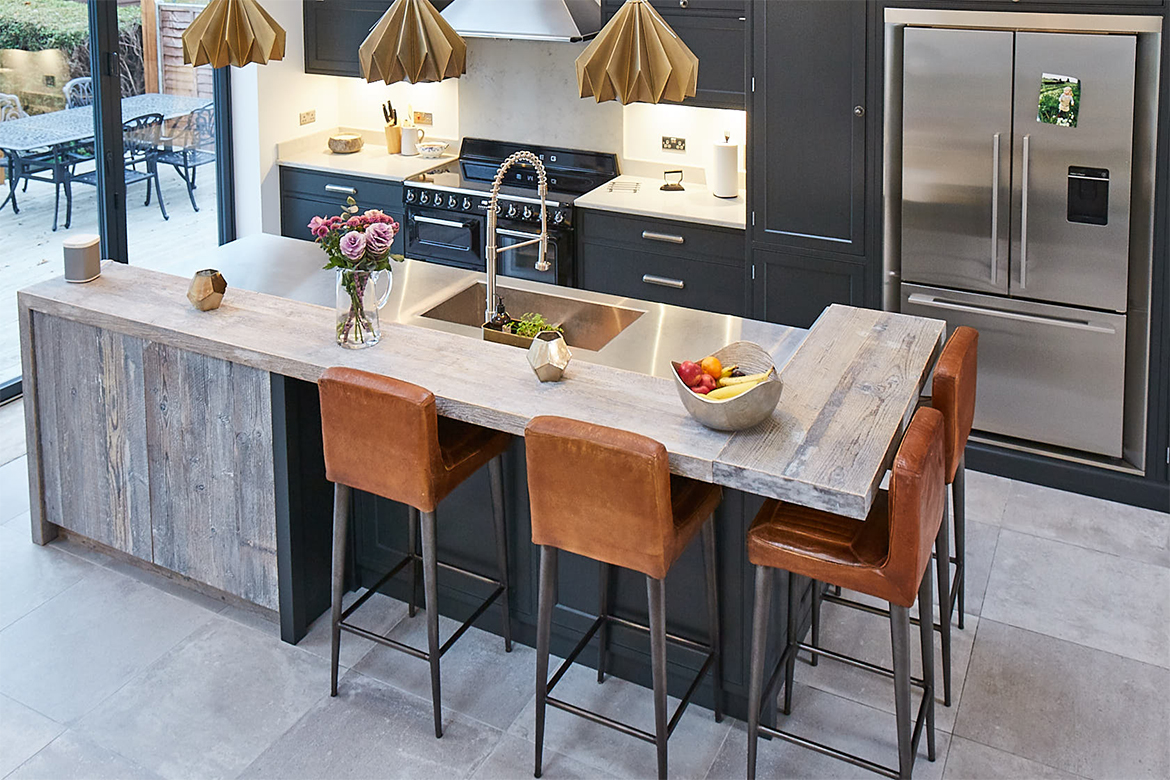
{"x":191,"y":440}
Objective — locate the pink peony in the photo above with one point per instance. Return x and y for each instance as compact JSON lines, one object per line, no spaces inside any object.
{"x":353,"y":245}
{"x":379,"y":236}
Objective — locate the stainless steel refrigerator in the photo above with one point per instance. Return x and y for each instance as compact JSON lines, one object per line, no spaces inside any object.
{"x":1017,"y":152}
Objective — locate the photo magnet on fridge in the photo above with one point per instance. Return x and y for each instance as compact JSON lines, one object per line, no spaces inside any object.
{"x":1060,"y":100}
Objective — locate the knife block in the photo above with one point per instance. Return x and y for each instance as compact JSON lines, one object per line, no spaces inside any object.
{"x":393,"y":139}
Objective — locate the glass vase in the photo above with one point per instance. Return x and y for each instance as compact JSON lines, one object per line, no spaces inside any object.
{"x":358,"y":303}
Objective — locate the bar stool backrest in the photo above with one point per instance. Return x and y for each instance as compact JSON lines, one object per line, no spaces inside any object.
{"x":381,"y":435}
{"x":953,"y":392}
{"x":917,"y":499}
{"x":600,"y":492}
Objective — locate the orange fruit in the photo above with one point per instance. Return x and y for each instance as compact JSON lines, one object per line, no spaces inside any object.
{"x":711,"y":366}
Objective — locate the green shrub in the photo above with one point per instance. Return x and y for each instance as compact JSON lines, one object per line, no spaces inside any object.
{"x":34,"y":25}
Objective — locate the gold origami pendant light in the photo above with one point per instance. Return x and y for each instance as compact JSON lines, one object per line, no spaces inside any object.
{"x":637,"y":58}
{"x":412,"y":42}
{"x":232,"y":32}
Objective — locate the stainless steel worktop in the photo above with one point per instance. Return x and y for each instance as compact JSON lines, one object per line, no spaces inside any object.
{"x":291,"y":268}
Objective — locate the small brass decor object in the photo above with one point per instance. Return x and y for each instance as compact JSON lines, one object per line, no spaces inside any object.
{"x":549,"y":356}
{"x":672,"y":186}
{"x":345,"y":143}
{"x":207,"y":289}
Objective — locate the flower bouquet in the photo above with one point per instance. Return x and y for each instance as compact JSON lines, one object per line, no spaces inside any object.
{"x":358,"y":246}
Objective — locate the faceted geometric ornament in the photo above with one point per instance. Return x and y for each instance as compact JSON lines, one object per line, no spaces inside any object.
{"x":412,"y":42}
{"x":232,"y":32}
{"x":637,"y":58}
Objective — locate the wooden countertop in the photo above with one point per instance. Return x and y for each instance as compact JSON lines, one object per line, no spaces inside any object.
{"x":849,"y":389}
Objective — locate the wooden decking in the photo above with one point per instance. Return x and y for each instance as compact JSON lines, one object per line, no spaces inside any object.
{"x":31,"y":252}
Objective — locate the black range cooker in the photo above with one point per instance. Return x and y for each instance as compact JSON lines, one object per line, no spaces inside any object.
{"x":446,"y":209}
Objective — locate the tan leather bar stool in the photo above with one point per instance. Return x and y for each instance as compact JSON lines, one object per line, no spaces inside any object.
{"x":886,"y":556}
{"x":953,"y":394}
{"x":608,"y":495}
{"x":383,"y":436}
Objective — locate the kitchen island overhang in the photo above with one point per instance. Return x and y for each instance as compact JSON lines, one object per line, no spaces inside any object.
{"x":849,"y":390}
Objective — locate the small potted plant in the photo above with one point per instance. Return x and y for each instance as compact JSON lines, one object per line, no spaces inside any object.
{"x":358,"y":247}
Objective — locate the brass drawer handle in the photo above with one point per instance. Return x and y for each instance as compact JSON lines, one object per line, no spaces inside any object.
{"x":337,"y":189}
{"x":667,"y":237}
{"x":664,"y":281}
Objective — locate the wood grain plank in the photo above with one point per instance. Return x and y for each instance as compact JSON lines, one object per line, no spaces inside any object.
{"x":43,"y":530}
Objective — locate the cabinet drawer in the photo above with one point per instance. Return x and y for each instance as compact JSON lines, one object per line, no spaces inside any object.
{"x":369,"y":193}
{"x":644,"y":234}
{"x":660,"y":278}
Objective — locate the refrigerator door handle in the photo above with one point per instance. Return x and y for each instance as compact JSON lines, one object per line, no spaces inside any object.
{"x":942,"y":303}
{"x":994,"y":207}
{"x":1024,"y":218}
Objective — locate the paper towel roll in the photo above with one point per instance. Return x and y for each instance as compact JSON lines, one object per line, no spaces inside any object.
{"x":723,"y":175}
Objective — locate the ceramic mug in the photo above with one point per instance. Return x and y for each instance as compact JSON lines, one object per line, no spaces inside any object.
{"x":410,"y":140}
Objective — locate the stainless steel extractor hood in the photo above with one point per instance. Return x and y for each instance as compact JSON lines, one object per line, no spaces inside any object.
{"x":528,"y":20}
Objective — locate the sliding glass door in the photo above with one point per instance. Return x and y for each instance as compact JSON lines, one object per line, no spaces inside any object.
{"x":104,"y":82}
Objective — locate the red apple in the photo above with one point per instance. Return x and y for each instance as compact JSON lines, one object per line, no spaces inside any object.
{"x":690,"y":372}
{"x":701,"y":390}
{"x":707,"y":381}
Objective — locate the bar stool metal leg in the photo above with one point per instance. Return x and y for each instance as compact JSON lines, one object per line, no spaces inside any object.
{"x":341,"y":496}
{"x":712,"y":574}
{"x":816,"y":621}
{"x":604,"y":575}
{"x":412,"y":530}
{"x":790,"y":665}
{"x":942,"y":550}
{"x":900,"y":639}
{"x":926,"y":636}
{"x":431,"y":593}
{"x":760,"y":612}
{"x":959,"y":491}
{"x":496,"y":477}
{"x":656,"y":596}
{"x":547,"y":600}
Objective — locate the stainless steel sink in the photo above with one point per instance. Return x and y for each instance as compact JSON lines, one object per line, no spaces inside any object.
{"x":587,"y":325}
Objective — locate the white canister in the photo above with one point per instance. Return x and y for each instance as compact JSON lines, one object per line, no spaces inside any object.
{"x":723,"y":174}
{"x":83,"y":258}
{"x":410,"y":140}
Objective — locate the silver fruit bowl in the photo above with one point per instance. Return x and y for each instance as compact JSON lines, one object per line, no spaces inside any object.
{"x":744,"y":410}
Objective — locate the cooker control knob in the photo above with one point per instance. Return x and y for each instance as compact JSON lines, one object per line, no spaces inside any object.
{"x":467,"y":204}
{"x":410,"y":195}
{"x":527,"y":212}
{"x":511,"y":209}
{"x":423,"y":198}
{"x":451,"y":201}
{"x":499,"y":209}
{"x":558,"y":217}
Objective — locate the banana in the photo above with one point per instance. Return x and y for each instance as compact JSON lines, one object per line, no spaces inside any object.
{"x":731,"y":391}
{"x":727,"y":371}
{"x":753,"y":379}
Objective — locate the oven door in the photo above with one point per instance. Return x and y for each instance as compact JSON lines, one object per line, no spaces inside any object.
{"x":521,"y":263}
{"x":446,"y":238}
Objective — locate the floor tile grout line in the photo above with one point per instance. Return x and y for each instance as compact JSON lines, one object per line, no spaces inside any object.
{"x":1023,"y":532}
{"x":718,"y":751}
{"x":1072,"y":642}
{"x":1017,"y":755}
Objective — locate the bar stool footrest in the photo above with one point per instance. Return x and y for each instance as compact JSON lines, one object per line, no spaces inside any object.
{"x":617,"y":725}
{"x":870,"y":608}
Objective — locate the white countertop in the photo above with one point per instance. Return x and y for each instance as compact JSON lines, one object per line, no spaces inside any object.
{"x":694,"y":204}
{"x":312,"y":153}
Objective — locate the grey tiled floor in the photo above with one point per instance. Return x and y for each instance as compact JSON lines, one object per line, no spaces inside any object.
{"x":1063,"y":671}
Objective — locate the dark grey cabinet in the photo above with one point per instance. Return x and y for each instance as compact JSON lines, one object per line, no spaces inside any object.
{"x":808,"y":124}
{"x":793,"y":288}
{"x":680,"y":263}
{"x":334,"y":29}
{"x":307,"y":194}
{"x":716,"y":31}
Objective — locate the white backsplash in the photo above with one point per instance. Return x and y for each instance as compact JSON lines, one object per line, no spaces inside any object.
{"x":526,"y":91}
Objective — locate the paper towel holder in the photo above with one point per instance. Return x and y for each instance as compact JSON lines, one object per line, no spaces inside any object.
{"x":672,"y":186}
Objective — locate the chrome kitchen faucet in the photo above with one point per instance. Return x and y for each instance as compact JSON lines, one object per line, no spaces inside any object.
{"x":492,"y":252}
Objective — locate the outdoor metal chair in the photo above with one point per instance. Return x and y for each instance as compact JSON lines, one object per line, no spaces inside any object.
{"x":198,"y":137}
{"x":78,"y":92}
{"x":140,"y":140}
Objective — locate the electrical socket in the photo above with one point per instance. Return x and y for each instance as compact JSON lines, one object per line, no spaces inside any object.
{"x":308,"y":117}
{"x":424,"y":118}
{"x":673,"y":144}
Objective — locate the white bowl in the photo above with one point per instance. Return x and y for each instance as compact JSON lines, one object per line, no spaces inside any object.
{"x":744,"y":410}
{"x":431,"y":150}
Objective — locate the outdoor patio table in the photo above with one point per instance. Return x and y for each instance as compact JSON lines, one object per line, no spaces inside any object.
{"x":21,"y":137}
